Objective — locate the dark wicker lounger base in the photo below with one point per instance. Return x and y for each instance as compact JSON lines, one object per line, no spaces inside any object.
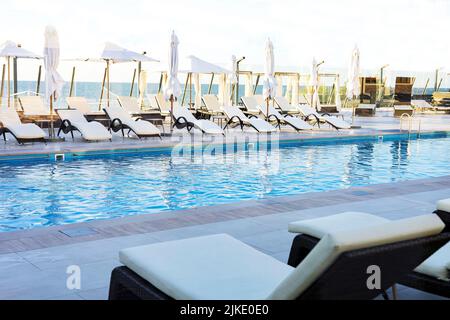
{"x":303,"y":244}
{"x":345,"y":279}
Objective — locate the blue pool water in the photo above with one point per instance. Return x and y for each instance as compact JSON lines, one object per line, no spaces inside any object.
{"x":36,"y":193}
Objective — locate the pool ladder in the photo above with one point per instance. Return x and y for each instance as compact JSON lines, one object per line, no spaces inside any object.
{"x":409,"y":119}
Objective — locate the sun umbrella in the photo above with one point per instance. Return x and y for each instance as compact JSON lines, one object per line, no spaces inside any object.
{"x":112,"y":53}
{"x":142,"y":87}
{"x":270,"y":84}
{"x":10,"y":50}
{"x":233,"y":77}
{"x":172,"y":89}
{"x":314,"y":83}
{"x":53,"y":80}
{"x":353,"y":85}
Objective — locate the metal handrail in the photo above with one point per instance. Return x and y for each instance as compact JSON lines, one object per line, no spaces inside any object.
{"x":410,"y":123}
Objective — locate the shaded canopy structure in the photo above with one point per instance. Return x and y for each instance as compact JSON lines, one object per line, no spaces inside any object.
{"x":8,"y":50}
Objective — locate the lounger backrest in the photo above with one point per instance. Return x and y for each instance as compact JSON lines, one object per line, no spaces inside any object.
{"x":259,"y":99}
{"x":250,"y":103}
{"x":116,"y":112}
{"x":330,"y":247}
{"x":9,"y":117}
{"x":306,"y":110}
{"x":302,"y":100}
{"x":233,"y":111}
{"x":73,"y":115}
{"x":79,"y":103}
{"x":272,"y":110}
{"x":131,"y":104}
{"x":33,"y":105}
{"x":182,"y":111}
{"x":284,"y":104}
{"x":163,"y":105}
{"x":212,"y":103}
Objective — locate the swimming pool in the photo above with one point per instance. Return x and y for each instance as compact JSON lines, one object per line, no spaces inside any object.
{"x":36,"y":193}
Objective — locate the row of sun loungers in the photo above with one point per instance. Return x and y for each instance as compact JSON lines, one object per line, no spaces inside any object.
{"x":129,"y":116}
{"x":330,"y":258}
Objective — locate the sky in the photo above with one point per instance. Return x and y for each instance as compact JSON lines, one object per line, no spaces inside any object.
{"x":409,"y":35}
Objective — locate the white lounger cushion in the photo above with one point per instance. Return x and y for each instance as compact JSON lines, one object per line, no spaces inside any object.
{"x":27,"y":131}
{"x":251,"y":104}
{"x":10,"y":120}
{"x":141,"y":127}
{"x":306,"y":110}
{"x":204,"y":125}
{"x":404,"y":108}
{"x":81,"y":104}
{"x":366,"y":106}
{"x":259,"y":124}
{"x":319,"y":227}
{"x":332,"y":245}
{"x":34,"y":106}
{"x":438,"y":265}
{"x":337,"y":122}
{"x":297,"y":123}
{"x":285,"y":105}
{"x":421,"y":104}
{"x":93,"y":131}
{"x":211,"y":267}
{"x":221,"y":267}
{"x":443,"y":205}
{"x":130,"y":104}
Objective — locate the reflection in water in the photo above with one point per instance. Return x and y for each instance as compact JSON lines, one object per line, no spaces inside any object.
{"x":46,"y":193}
{"x":400,"y":153}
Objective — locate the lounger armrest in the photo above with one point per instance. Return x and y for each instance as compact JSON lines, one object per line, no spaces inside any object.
{"x":66,"y":123}
{"x":249,"y":116}
{"x":116,"y":127}
{"x":312,"y":115}
{"x":276,"y":119}
{"x":138,"y":119}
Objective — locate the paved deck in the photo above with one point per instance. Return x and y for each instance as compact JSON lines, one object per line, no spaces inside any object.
{"x":33,"y":263}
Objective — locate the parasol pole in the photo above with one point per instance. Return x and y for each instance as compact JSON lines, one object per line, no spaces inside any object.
{"x":132,"y":82}
{"x":171,"y":113}
{"x":38,"y":82}
{"x":108,"y":82}
{"x":72,"y":82}
{"x":3,"y":84}
{"x":8,"y":85}
{"x":101,"y":92}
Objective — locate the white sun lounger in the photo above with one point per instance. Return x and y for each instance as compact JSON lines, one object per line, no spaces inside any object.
{"x":33,"y":106}
{"x":220,"y":267}
{"x":432,"y":275}
{"x":296,"y":123}
{"x":285,"y":106}
{"x":121,"y":120}
{"x":22,"y":132}
{"x":184,"y":118}
{"x":131,"y":104}
{"x":237,"y":117}
{"x":163,"y":105}
{"x":251,"y":104}
{"x":212,"y":105}
{"x":74,"y":120}
{"x":422,"y":105}
{"x":81,"y":104}
{"x":333,"y":121}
